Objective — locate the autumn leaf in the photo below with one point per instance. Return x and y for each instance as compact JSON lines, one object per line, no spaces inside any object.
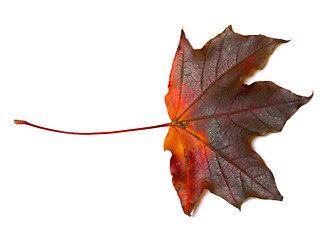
{"x":214,"y":115}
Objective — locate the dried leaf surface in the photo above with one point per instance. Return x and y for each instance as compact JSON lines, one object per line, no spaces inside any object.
{"x":214,"y":115}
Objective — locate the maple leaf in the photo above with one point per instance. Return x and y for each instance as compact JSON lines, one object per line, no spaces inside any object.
{"x":214,"y":115}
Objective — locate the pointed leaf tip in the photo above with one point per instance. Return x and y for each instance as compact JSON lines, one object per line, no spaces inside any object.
{"x":230,"y":27}
{"x":183,"y":34}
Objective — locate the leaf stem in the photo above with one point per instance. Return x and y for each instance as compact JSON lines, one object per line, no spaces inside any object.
{"x":22,"y":122}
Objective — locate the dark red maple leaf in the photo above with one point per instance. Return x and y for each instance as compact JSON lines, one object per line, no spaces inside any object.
{"x":214,"y":115}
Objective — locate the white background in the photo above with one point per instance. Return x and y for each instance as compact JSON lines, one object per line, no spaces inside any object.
{"x":103,"y":65}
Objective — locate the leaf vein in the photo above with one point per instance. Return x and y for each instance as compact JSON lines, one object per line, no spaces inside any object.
{"x":187,"y":173}
{"x":180,"y":91}
{"x":226,"y":182}
{"x":236,"y":166}
{"x":241,"y":111}
{"x":218,"y":78}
